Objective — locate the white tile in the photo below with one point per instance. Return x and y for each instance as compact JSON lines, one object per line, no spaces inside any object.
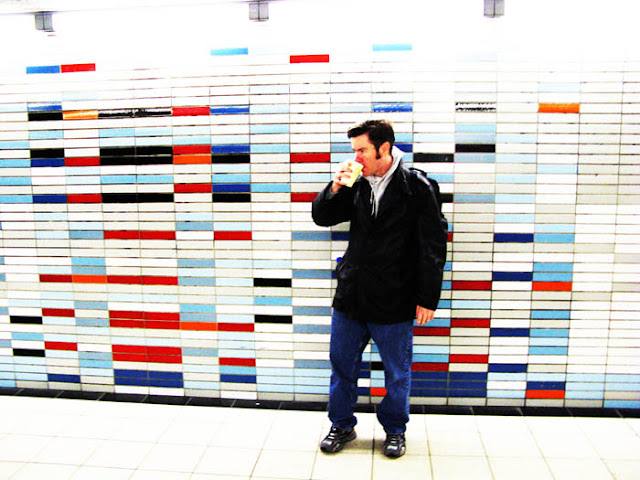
{"x":284,"y":464}
{"x":69,"y":451}
{"x":613,"y":438}
{"x":205,"y":476}
{"x":356,"y":466}
{"x":117,"y":454}
{"x":295,"y":434}
{"x":228,"y":461}
{"x":189,"y":433}
{"x":507,"y":437}
{"x":453,"y":435}
{"x":159,"y":475}
{"x":101,"y":473}
{"x":460,"y":468}
{"x":96,"y":427}
{"x":21,"y":448}
{"x":634,"y":423}
{"x":140,"y":430}
{"x":624,"y":469}
{"x":560,"y":437}
{"x":520,"y":468}
{"x":173,"y":458}
{"x":43,"y":470}
{"x":240,"y":435}
{"x":409,"y":467}
{"x":584,"y":469}
{"x":9,"y":468}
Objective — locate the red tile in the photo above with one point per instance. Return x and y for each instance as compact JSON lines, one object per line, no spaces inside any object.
{"x":78,"y":67}
{"x":309,"y":59}
{"x":232,"y":236}
{"x":310,"y":158}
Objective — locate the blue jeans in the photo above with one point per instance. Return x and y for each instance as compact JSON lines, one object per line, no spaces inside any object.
{"x":349,"y":338}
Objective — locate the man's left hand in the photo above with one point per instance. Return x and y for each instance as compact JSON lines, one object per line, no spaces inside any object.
{"x":424,"y":315}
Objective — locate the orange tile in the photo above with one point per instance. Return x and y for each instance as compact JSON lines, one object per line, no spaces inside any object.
{"x":559,"y":108}
{"x":80,"y":115}
{"x":192,"y":159}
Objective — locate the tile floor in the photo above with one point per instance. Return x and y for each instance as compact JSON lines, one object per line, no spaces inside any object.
{"x":46,"y":438}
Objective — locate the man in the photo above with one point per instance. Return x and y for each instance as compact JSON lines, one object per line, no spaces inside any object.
{"x":390,"y":275}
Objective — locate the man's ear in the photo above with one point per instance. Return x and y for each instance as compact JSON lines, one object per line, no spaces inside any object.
{"x":385,"y":149}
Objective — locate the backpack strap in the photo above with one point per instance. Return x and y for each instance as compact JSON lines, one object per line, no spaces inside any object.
{"x":430,"y":181}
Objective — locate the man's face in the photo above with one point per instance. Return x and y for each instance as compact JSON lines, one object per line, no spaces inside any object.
{"x":368,"y":156}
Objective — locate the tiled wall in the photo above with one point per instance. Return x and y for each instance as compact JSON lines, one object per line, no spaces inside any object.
{"x":156,"y":233}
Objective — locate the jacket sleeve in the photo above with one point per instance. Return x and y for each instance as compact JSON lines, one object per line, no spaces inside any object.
{"x":432,"y":246}
{"x":330,"y":209}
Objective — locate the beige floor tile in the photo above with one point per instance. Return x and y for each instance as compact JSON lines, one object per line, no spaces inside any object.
{"x":173,"y":458}
{"x":520,"y":469}
{"x":21,"y":448}
{"x":9,"y":468}
{"x":356,"y":466}
{"x":189,"y":433}
{"x":159,"y":475}
{"x":118,"y":454}
{"x":240,"y":435}
{"x":70,"y":451}
{"x":460,"y":468}
{"x":634,"y":423}
{"x":228,"y":461}
{"x":612,"y":438}
{"x":456,"y":439}
{"x":35,"y":471}
{"x":284,"y":464}
{"x":101,"y":473}
{"x":624,"y":469}
{"x":583,"y":469}
{"x":409,"y":467}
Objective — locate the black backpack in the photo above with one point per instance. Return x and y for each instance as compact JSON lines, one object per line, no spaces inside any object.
{"x":433,"y":183}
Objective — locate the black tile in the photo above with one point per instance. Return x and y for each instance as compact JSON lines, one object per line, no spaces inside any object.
{"x":284,"y":319}
{"x":9,"y":391}
{"x":433,"y":157}
{"x":272,"y":282}
{"x":545,"y":412}
{"x":123,"y":397}
{"x":475,"y":148}
{"x":23,"y":319}
{"x":499,"y":411}
{"x":210,"y":402}
{"x":448,"y":410}
{"x":365,"y":408}
{"x":629,"y":412}
{"x":305,"y":406}
{"x":79,"y":395}
{"x":594,"y":412}
{"x":263,"y":404}
{"x":44,"y":116}
{"x":37,"y":392}
{"x":166,"y":400}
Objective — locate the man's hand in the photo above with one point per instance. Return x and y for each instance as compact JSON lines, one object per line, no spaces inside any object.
{"x":341,"y":178}
{"x":424,"y":315}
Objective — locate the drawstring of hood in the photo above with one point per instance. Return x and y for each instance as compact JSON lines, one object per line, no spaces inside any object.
{"x":379,"y":184}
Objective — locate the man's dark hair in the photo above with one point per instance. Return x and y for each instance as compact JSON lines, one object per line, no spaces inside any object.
{"x":379,"y":131}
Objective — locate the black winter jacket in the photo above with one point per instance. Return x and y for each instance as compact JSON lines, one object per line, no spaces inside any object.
{"x":395,"y":260}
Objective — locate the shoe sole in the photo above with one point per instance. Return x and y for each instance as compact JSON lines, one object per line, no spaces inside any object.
{"x":339,"y":445}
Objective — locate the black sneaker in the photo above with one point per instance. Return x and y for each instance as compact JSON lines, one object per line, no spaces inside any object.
{"x":334,"y":442}
{"x":395,"y":445}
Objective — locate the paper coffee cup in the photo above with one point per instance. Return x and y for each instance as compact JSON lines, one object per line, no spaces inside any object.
{"x":356,"y":168}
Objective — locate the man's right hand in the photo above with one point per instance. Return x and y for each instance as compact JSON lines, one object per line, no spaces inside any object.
{"x":341,"y":178}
